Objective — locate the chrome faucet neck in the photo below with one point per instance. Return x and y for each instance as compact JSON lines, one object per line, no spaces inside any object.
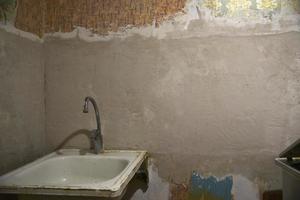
{"x":96,"y":138}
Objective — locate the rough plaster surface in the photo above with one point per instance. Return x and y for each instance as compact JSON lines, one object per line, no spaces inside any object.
{"x":218,"y":105}
{"x":200,"y":92}
{"x":22,"y":116}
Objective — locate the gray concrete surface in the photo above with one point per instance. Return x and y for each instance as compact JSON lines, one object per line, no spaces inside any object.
{"x":220,"y":105}
{"x":204,"y":95}
{"x":22,"y":108}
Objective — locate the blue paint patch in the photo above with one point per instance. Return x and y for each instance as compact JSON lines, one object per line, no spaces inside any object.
{"x":211,"y":187}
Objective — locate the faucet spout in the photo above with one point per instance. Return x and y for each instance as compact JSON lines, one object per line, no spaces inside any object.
{"x":96,"y":137}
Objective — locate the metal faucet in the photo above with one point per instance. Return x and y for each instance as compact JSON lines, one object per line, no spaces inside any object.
{"x":96,"y":136}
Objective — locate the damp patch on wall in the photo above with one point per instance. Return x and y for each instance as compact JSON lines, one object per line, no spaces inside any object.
{"x":210,"y":188}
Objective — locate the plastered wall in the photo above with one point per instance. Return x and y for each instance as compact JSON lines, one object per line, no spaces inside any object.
{"x":22,"y":108}
{"x":212,"y":93}
{"x":221,"y":106}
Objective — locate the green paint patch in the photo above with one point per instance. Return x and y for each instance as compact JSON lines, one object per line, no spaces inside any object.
{"x":7,"y":9}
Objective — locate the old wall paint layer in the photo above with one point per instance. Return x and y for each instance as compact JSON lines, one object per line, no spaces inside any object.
{"x":219,"y":105}
{"x":7,"y":9}
{"x":22,"y":127}
{"x":210,"y":188}
{"x":249,"y":8}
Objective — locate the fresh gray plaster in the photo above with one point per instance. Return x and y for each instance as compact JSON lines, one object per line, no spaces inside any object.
{"x":219,"y":105}
{"x":22,"y":108}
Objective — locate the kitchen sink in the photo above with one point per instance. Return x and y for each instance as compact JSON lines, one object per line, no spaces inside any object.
{"x":75,"y":172}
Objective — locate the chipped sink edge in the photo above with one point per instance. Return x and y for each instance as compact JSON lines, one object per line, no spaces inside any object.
{"x":116,"y":191}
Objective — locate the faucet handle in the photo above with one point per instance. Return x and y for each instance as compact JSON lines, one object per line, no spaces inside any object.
{"x":93,"y":135}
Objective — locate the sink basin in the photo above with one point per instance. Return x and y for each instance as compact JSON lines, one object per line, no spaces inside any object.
{"x":75,"y":172}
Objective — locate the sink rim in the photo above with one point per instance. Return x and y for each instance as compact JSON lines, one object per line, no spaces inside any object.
{"x":115,"y":188}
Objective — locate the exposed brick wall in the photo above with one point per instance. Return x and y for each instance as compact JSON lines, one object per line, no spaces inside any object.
{"x":30,"y":16}
{"x":101,"y":16}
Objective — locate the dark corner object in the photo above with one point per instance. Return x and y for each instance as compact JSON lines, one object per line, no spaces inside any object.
{"x":289,"y":161}
{"x":272,"y":195}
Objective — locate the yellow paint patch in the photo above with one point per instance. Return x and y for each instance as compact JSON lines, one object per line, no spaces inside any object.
{"x":249,"y":8}
{"x":237,"y":7}
{"x":213,"y":5}
{"x":267,"y":4}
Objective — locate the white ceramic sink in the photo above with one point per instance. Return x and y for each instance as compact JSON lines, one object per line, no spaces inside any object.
{"x":75,"y":172}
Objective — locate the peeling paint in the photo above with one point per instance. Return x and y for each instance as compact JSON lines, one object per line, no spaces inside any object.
{"x":230,"y":187}
{"x":157,"y":189}
{"x":210,"y":188}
